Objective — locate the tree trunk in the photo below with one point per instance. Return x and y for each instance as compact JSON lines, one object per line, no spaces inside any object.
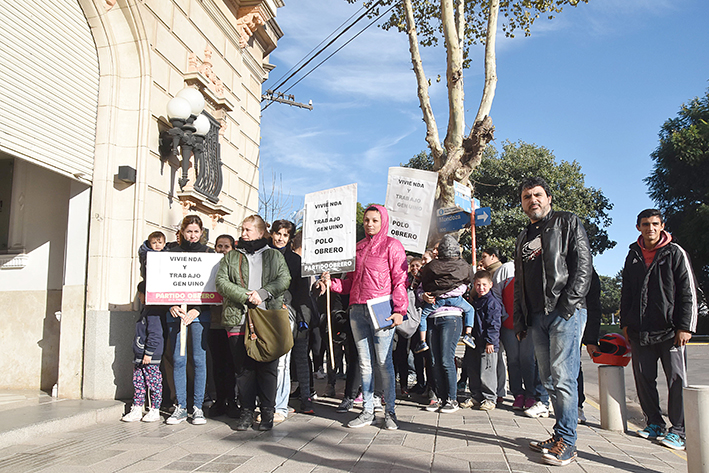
{"x":459,"y":166}
{"x":459,"y":155}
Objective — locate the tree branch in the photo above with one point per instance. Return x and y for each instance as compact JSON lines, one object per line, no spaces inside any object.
{"x":454,"y":78}
{"x":432,"y":138}
{"x":490,"y":63}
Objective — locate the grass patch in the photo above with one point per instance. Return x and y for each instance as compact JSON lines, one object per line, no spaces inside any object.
{"x":608,"y":328}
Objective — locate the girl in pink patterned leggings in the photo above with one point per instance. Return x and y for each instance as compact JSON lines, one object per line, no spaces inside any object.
{"x":147,"y":348}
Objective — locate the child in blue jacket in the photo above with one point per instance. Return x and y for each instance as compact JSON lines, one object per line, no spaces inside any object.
{"x":482,"y":366}
{"x":148,"y":346}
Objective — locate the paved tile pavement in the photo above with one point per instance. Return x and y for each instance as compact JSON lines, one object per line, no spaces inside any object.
{"x":466,"y":441}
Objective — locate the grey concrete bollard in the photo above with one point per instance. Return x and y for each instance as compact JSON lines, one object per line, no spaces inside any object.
{"x":611,"y":393}
{"x":696,"y":418}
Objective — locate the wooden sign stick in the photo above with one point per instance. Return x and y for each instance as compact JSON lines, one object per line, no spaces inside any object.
{"x":329,"y":329}
{"x":183,"y":332}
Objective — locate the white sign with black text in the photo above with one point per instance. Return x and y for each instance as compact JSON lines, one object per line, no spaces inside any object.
{"x":410,"y":198}
{"x":182,"y":278}
{"x":329,"y":231}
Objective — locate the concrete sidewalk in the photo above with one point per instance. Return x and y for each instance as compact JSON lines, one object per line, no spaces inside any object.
{"x":466,"y":440}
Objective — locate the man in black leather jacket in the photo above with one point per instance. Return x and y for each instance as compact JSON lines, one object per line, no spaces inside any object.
{"x":553,"y":268}
{"x":658,"y":314}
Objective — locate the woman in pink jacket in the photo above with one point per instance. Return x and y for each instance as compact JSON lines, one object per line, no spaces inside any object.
{"x":380,"y":270}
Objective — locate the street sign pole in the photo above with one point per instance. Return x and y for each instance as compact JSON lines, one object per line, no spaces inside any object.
{"x":472,"y":233}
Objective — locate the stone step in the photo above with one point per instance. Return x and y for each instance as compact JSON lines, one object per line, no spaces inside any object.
{"x":31,"y":418}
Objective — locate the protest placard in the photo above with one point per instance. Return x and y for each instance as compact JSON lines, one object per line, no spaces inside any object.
{"x":182,"y":278}
{"x":329,"y":231}
{"x":410,"y":198}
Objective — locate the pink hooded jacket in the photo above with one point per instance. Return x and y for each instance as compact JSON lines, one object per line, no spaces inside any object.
{"x":380,"y":269}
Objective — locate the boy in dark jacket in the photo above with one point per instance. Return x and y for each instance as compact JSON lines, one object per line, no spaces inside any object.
{"x":154,"y":242}
{"x":658,"y":314}
{"x":482,"y":367}
{"x":446,"y":278}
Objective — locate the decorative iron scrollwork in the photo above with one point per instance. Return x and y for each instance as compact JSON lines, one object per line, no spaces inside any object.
{"x":208,"y":163}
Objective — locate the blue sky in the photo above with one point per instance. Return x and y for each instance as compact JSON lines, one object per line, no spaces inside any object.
{"x":593,"y":85}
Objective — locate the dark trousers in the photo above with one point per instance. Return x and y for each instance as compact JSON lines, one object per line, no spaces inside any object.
{"x":222,"y":366}
{"x":354,"y":378}
{"x":401,"y":361}
{"x":253,"y":377}
{"x":582,"y":396}
{"x":674,"y":364}
{"x":299,"y":360}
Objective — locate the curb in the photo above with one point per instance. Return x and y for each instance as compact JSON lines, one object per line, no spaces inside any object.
{"x":20,"y":425}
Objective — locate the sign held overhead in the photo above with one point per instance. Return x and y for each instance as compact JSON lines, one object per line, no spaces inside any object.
{"x":182,"y":278}
{"x":329,"y":231}
{"x":410,"y":197}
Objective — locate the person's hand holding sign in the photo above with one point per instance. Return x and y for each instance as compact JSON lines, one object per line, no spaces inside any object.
{"x":324,"y":282}
{"x":187,"y":317}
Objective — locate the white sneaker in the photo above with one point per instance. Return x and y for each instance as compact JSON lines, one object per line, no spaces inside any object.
{"x":537,"y":410}
{"x":377,"y":401}
{"x":153,"y":415}
{"x":136,"y":412}
{"x":582,"y":416}
{"x":198,"y":417}
{"x":178,"y":415}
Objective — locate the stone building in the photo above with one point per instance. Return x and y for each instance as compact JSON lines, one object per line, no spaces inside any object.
{"x":84,"y":178}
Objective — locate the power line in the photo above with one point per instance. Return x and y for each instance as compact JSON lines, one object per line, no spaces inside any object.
{"x":338,"y":49}
{"x":327,"y":45}
{"x":320,"y":44}
{"x":366,"y":13}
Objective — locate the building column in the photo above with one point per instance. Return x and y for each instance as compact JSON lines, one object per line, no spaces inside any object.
{"x":71,"y":335}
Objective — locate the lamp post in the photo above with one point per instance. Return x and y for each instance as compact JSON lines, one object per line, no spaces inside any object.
{"x":188,"y":127}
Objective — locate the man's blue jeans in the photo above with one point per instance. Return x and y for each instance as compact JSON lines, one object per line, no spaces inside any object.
{"x":197,"y":332}
{"x":374,"y":349}
{"x":556,"y":346}
{"x":444,"y":333}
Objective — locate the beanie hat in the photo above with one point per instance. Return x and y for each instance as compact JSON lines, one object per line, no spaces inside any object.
{"x":448,"y":248}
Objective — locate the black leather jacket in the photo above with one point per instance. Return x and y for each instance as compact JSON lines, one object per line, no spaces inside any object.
{"x":567,"y":267}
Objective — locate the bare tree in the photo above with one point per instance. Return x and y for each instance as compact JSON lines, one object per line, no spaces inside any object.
{"x":273,"y":203}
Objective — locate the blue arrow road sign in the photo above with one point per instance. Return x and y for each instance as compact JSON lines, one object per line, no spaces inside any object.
{"x":483,"y":217}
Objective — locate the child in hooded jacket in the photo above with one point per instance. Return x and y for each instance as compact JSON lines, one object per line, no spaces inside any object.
{"x":446,"y":278}
{"x":148,"y":346}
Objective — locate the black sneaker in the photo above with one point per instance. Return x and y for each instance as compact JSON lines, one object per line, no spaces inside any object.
{"x":449,"y":407}
{"x":542,"y":446}
{"x":561,"y":454}
{"x":306,"y":406}
{"x":245,"y":421}
{"x":434,"y":405}
{"x":390,"y":421}
{"x":346,"y":405}
{"x":266,"y":419}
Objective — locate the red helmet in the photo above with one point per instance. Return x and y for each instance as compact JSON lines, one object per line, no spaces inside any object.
{"x":615,"y":350}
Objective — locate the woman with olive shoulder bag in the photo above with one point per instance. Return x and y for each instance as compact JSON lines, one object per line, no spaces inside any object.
{"x":255,"y":277}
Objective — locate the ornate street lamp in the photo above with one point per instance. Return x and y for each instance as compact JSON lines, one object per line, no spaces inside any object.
{"x":189,"y":126}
